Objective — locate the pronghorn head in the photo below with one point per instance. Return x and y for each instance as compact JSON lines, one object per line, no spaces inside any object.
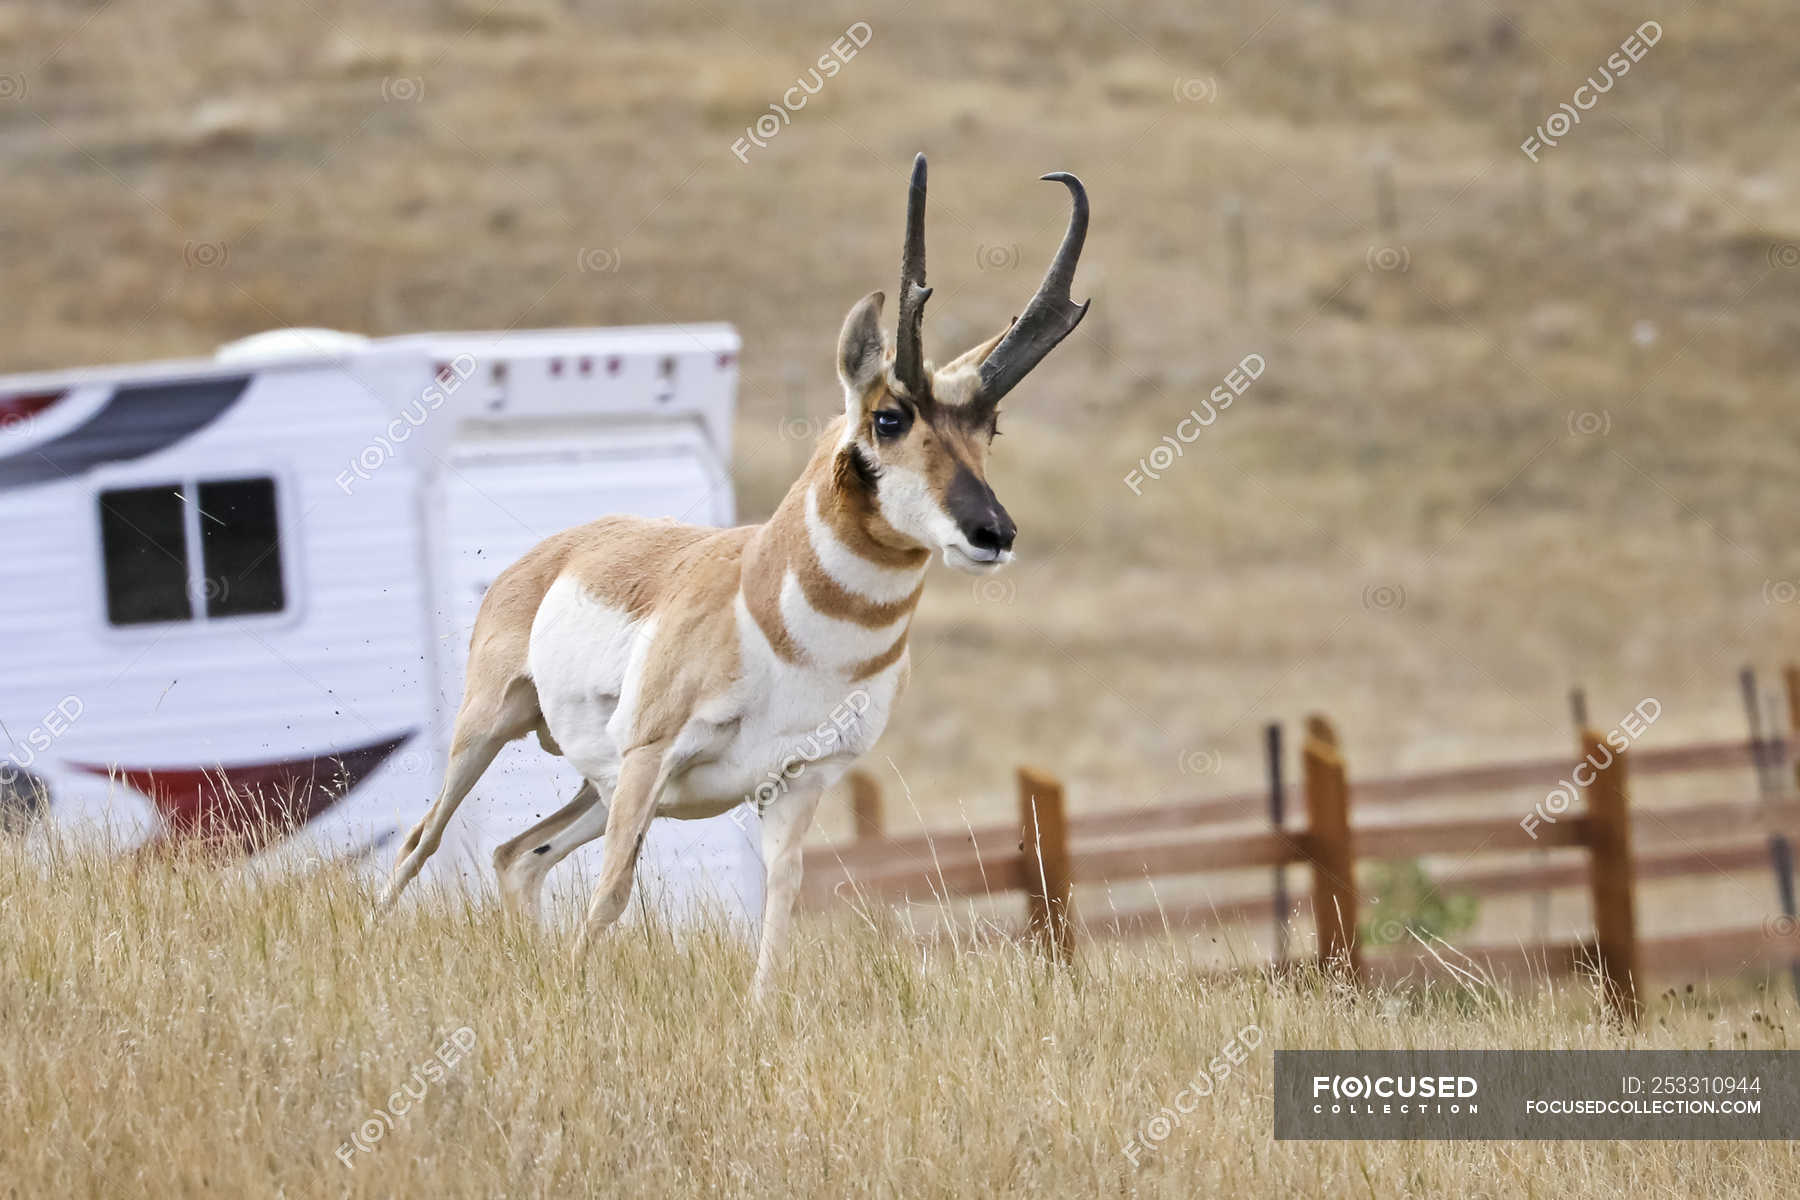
{"x":916,"y":435}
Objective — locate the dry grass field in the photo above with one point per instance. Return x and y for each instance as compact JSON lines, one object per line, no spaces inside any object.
{"x":173,"y":1031}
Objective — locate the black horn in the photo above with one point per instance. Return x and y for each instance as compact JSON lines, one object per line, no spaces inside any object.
{"x":1051,"y":316}
{"x":909,"y":353}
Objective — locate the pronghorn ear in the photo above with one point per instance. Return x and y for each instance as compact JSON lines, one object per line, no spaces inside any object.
{"x":862,"y":347}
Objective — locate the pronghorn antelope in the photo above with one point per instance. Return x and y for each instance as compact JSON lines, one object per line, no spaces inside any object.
{"x":675,"y":667}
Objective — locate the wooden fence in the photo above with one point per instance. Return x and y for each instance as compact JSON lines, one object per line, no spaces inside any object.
{"x":1049,"y":850}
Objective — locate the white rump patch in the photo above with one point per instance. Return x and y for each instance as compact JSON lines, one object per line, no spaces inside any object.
{"x":586,"y":659}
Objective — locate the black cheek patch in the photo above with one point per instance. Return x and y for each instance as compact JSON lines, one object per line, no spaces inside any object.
{"x":860,"y":469}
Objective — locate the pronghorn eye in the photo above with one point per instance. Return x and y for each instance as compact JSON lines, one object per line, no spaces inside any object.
{"x":891,"y":423}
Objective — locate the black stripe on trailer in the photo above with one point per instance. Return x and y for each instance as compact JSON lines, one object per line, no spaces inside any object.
{"x":135,"y":422}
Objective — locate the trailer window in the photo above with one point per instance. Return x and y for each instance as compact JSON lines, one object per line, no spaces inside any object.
{"x":141,"y":534}
{"x":167,"y":548}
{"x":240,"y":542}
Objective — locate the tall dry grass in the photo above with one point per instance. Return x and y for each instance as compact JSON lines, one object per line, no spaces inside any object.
{"x":171,"y":1029}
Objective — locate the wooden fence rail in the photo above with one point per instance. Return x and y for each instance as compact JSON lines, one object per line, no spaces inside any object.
{"x":1484,"y":883}
{"x":1050,"y":851}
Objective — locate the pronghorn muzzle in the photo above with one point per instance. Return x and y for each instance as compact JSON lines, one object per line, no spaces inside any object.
{"x":980,"y":516}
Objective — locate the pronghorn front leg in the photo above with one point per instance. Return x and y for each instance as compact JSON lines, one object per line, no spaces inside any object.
{"x":784,"y":826}
{"x":643,"y":773}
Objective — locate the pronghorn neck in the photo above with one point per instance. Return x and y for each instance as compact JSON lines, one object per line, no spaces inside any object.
{"x":828,"y":582}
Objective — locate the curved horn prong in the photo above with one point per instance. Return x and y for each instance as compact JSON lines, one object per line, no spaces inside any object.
{"x":1051,"y":316}
{"x":909,"y":352}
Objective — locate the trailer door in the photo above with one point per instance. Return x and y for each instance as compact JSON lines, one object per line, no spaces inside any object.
{"x":503,"y":498}
{"x":502,"y":495}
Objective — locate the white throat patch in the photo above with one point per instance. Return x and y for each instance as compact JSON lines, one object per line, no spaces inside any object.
{"x":850,"y":570}
{"x":910,"y":506}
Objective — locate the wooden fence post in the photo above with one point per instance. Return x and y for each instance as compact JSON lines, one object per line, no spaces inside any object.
{"x":1611,"y":876}
{"x":1044,"y":844}
{"x":865,"y":806}
{"x":1278,"y":896}
{"x":1793,"y":699}
{"x":1237,"y":242}
{"x":1328,"y":848}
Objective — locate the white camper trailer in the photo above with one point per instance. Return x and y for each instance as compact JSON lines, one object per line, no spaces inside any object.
{"x":240,"y":590}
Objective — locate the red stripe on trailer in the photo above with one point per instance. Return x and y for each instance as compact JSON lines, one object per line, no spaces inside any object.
{"x":250,"y":805}
{"x":17,"y":409}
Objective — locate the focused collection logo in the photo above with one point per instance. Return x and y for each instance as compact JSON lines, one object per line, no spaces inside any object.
{"x":1387,"y":1095}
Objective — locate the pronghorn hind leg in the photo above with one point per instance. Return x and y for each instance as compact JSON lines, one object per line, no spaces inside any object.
{"x":784,"y":826}
{"x":481,"y":730}
{"x":643,"y":773}
{"x":466,"y":766}
{"x":523,"y":863}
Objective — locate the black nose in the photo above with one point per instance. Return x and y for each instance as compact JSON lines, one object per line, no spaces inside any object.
{"x":995,"y":534}
{"x":979,"y":513}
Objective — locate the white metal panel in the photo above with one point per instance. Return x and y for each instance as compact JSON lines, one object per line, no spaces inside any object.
{"x":681,"y":372}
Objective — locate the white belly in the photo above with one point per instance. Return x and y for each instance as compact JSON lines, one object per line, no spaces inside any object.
{"x":784,"y":727}
{"x":805,"y":732}
{"x":798,"y":726}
